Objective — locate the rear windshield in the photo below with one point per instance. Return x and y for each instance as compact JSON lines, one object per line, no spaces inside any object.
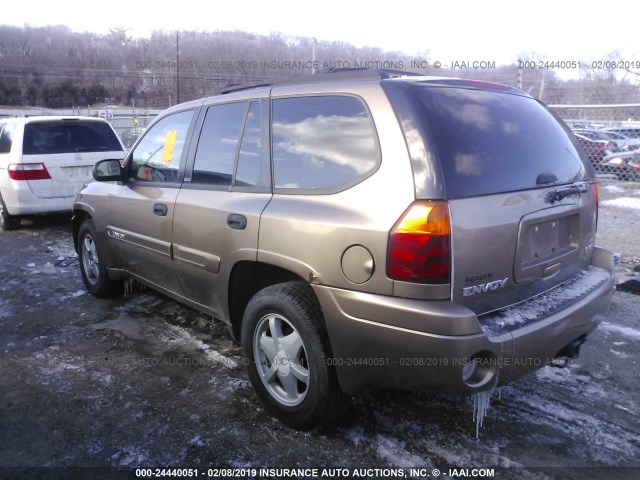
{"x":69,"y":137}
{"x":490,"y":142}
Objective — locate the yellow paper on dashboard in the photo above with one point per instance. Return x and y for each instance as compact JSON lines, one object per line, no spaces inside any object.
{"x":169,"y":145}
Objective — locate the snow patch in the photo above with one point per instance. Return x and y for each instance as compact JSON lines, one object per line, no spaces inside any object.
{"x":395,"y":453}
{"x":624,"y":202}
{"x":545,"y":303}
{"x":614,"y":189}
{"x":626,"y":331}
{"x":211,"y":354}
{"x":356,"y":435}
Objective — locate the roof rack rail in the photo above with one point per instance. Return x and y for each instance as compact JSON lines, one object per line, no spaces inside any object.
{"x":234,"y":87}
{"x":381,"y":73}
{"x":323,"y":75}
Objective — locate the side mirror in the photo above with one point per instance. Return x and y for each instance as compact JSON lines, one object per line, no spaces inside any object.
{"x":108,"y":171}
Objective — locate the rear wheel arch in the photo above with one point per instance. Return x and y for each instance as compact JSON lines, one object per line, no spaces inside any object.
{"x":246,"y":279}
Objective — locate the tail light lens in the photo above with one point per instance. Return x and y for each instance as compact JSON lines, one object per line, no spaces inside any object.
{"x":419,"y":247}
{"x":28,"y":171}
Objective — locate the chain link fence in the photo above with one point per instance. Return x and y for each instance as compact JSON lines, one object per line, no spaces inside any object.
{"x":610,"y":136}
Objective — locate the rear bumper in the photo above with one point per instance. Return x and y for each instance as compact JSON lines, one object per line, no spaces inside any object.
{"x":20,"y":200}
{"x":389,"y":342}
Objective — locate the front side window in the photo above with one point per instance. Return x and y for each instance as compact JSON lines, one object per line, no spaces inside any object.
{"x":218,"y":144}
{"x":322,"y":142}
{"x":157,"y":157}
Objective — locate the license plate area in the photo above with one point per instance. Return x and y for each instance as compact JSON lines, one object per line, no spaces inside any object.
{"x":545,"y":242}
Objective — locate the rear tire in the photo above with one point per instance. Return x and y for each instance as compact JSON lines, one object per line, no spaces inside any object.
{"x":94,"y":273}
{"x":287,"y":348}
{"x":7,"y":221}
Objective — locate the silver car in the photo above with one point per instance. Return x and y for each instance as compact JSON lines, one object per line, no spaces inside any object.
{"x":358,"y":230}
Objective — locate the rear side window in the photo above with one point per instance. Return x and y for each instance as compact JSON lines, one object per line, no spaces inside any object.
{"x":491,"y":142}
{"x":322,"y":143}
{"x":69,"y":137}
{"x":6,"y":136}
{"x":229,"y":146}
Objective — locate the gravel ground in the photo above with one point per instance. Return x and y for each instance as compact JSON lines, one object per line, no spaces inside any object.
{"x":140,"y":381}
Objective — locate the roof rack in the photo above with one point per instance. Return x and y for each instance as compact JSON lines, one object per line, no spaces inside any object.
{"x":324,"y":75}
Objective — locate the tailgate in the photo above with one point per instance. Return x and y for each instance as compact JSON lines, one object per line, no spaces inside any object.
{"x":510,"y":247}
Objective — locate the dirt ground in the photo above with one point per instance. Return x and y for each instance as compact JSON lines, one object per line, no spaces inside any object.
{"x":140,"y":381}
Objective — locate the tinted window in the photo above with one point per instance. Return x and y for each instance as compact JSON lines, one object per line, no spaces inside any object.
{"x":322,"y":142}
{"x":249,"y":159}
{"x":6,"y":136}
{"x":218,"y":144}
{"x":157,"y":157}
{"x":490,"y":142}
{"x":69,"y":137}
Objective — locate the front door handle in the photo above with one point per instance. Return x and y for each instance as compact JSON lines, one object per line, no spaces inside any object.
{"x":160,"y":209}
{"x":237,"y":221}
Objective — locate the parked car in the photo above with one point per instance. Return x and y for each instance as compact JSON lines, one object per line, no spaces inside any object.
{"x":627,"y":131}
{"x":596,"y":150}
{"x":600,"y":135}
{"x":359,"y":230}
{"x":130,"y":136}
{"x":620,"y":142}
{"x":44,"y":161}
{"x":624,"y":165}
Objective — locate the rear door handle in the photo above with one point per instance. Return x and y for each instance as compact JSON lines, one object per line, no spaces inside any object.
{"x":160,"y":209}
{"x":237,"y":221}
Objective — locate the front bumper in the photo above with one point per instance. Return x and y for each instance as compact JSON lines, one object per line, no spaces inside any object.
{"x":390,"y":342}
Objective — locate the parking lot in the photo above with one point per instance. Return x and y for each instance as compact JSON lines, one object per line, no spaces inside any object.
{"x":140,"y":381}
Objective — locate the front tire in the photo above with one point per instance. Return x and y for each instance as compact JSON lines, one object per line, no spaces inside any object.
{"x":7,"y":221}
{"x":288,"y":354}
{"x":94,"y":273}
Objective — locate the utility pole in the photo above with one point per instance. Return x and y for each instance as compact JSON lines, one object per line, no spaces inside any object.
{"x":177,"y":67}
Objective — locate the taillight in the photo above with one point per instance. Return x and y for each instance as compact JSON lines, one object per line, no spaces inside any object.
{"x":28,"y":171}
{"x":419,"y":247}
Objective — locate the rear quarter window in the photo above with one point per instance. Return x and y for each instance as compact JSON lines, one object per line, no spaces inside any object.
{"x":69,"y":137}
{"x":490,"y":142}
{"x":322,"y":143}
{"x":6,"y":137}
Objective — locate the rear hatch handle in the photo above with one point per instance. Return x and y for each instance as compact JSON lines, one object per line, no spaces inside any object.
{"x":573,"y":189}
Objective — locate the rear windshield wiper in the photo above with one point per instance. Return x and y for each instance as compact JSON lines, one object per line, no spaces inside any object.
{"x":573,"y":189}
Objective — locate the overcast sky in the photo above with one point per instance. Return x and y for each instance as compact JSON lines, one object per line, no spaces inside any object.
{"x":461,"y":30}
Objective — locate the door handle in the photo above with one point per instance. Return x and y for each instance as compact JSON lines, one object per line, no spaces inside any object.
{"x":236,"y":221}
{"x":160,"y":209}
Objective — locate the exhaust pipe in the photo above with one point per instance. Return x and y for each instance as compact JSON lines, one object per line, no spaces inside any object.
{"x":568,"y":353}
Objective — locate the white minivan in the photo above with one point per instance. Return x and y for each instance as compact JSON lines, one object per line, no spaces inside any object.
{"x":44,"y":161}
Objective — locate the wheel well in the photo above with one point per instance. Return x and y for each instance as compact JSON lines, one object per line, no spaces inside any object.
{"x":247,"y":279}
{"x":79,"y":216}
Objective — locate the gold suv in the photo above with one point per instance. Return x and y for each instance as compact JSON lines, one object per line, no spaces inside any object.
{"x":358,"y":230}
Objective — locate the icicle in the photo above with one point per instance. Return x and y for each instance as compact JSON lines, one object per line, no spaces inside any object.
{"x":481,"y":401}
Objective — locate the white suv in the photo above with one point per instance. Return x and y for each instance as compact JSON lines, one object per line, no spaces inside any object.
{"x":44,"y":161}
